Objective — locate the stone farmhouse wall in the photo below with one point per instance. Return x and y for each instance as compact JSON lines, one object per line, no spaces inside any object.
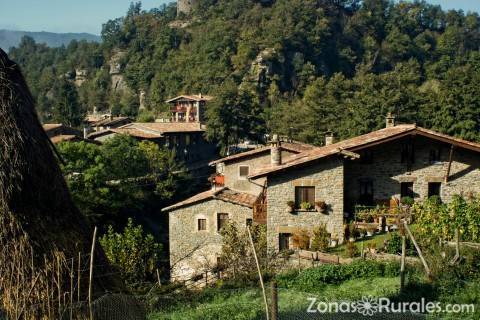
{"x":387,"y":172}
{"x":327,"y":177}
{"x":235,"y":182}
{"x":193,"y":252}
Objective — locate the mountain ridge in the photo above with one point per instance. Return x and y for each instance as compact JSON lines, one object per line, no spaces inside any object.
{"x":11,"y":38}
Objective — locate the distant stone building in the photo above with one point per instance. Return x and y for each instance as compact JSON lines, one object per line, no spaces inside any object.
{"x":372,"y":169}
{"x":188,"y":108}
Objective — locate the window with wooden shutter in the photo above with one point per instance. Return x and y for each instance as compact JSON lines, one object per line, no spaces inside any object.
{"x":243,"y":171}
{"x":304,"y":194}
{"x":222,"y":220}
{"x":202,"y":224}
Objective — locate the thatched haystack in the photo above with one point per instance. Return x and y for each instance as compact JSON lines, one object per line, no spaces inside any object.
{"x":42,"y":233}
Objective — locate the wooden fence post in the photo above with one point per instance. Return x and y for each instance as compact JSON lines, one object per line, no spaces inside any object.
{"x":402,"y":263}
{"x":274,"y":300}
{"x":90,"y":278}
{"x":259,"y":273}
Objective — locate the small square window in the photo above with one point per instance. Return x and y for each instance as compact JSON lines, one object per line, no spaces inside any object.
{"x":304,"y":194}
{"x":202,"y":224}
{"x":249,"y":222}
{"x":243,"y":171}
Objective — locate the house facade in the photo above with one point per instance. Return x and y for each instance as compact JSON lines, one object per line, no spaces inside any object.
{"x":194,"y":224}
{"x":398,"y":161}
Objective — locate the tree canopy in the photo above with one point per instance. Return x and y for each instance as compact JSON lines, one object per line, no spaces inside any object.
{"x":297,"y":67}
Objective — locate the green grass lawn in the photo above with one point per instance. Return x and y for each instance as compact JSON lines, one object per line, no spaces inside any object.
{"x":378,"y":239}
{"x":248,"y":303}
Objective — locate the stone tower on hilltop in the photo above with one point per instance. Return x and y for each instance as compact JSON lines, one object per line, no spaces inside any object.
{"x":185,"y":6}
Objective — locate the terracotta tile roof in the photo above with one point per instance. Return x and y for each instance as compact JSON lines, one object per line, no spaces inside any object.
{"x":363,"y":141}
{"x":193,"y":97}
{"x":100,"y":133}
{"x":64,"y":137}
{"x":296,"y":147}
{"x":166,"y":127}
{"x":134,"y":132}
{"x":225,"y":194}
{"x":241,"y":198}
{"x":51,"y":126}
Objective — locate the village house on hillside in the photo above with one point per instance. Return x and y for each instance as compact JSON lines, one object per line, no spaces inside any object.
{"x":58,"y":133}
{"x":194,"y":224}
{"x":183,"y":132}
{"x":397,"y":161}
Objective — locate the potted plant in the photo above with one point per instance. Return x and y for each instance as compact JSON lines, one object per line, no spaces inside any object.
{"x":306,"y":205}
{"x":321,"y":206}
{"x":290,"y":206}
{"x":371,"y":230}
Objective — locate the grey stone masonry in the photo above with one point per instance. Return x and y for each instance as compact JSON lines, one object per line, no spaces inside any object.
{"x":387,"y":172}
{"x":232,"y":172}
{"x":193,"y":252}
{"x":327,"y":177}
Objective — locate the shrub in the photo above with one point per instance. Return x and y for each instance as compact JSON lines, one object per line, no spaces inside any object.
{"x":320,"y":238}
{"x":301,"y":240}
{"x":312,"y":280}
{"x":132,"y":252}
{"x":352,"y":250}
{"x":407,"y":201}
{"x":394,"y":245}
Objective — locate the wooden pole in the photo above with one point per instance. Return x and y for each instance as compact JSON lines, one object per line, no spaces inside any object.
{"x":259,"y":272}
{"x":402,"y":263}
{"x":90,"y":278}
{"x":158,"y":278}
{"x":274,"y":300}
{"x":425,"y":265}
{"x":79,"y":275}
{"x":457,"y":246}
{"x":72,"y":274}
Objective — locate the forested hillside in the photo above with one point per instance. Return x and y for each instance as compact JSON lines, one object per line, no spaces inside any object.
{"x":298,"y":67}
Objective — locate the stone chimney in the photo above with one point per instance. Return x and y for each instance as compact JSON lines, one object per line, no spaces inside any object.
{"x":329,"y":138}
{"x":390,"y":120}
{"x":275,"y":151}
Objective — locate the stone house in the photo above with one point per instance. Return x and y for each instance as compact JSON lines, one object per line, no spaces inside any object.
{"x":194,"y":224}
{"x":188,"y":108}
{"x":397,"y":161}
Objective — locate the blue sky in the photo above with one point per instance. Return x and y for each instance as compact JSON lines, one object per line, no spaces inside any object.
{"x":88,"y":15}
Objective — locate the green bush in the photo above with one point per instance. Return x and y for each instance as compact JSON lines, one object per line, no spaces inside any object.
{"x":394,"y":245}
{"x":352,"y":250}
{"x":320,"y":238}
{"x":315,"y":278}
{"x":133,"y":253}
